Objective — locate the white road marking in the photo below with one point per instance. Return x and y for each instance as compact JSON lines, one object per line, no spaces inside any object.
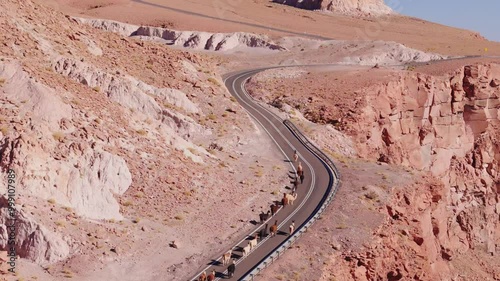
{"x":313,"y":176}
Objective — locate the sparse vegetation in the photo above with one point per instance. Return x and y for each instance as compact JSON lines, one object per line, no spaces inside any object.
{"x":339,"y":157}
{"x":142,"y":132}
{"x":211,"y":116}
{"x":67,"y":273}
{"x":372,"y":195}
{"x":136,"y":220}
{"x":68,"y":209}
{"x":410,"y":68}
{"x":233,"y":99}
{"x":341,"y":226}
{"x":192,"y":150}
{"x":4,"y":130}
{"x":60,"y":223}
{"x":58,"y":136}
{"x":51,"y":201}
{"x":127,"y":203}
{"x":2,"y":81}
{"x":179,"y":217}
{"x":213,"y":81}
{"x":139,"y":194}
{"x":97,"y":89}
{"x":280,"y":277}
{"x":259,"y":173}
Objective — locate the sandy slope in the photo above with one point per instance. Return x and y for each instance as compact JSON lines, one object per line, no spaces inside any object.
{"x":261,"y":16}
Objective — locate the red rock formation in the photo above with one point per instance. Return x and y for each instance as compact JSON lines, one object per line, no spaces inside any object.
{"x":448,"y":126}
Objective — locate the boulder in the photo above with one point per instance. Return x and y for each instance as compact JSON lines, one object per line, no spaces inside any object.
{"x":32,"y":240}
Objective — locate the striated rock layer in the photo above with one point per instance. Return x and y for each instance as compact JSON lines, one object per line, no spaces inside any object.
{"x":188,"y":39}
{"x":345,"y":7}
{"x":449,"y":126}
{"x":33,"y":241}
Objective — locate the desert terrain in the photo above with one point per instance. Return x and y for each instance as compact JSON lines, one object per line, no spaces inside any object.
{"x":132,"y":161}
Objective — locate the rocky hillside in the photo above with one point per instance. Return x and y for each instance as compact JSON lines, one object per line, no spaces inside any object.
{"x":344,"y":7}
{"x":114,"y":143}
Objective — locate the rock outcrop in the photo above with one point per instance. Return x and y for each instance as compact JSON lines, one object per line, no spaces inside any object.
{"x":83,"y":178}
{"x":449,"y":126}
{"x":35,"y":100}
{"x":32,"y":240}
{"x":136,"y":95}
{"x":188,"y":39}
{"x":345,"y":7}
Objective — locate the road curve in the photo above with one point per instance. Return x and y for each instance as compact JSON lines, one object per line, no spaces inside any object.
{"x":311,"y":194}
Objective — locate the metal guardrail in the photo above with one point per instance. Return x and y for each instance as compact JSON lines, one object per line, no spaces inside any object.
{"x":333,"y":186}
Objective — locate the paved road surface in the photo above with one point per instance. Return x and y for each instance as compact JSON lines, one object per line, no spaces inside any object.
{"x":310,"y":193}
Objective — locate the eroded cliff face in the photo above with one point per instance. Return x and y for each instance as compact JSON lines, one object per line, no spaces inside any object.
{"x":448,"y":126}
{"x":345,"y":7}
{"x":423,"y":122}
{"x":33,"y":241}
{"x":114,"y":140}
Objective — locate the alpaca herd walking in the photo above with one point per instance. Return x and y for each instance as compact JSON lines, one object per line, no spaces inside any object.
{"x":287,"y":199}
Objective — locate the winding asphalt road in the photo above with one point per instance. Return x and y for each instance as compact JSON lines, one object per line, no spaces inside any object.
{"x":310,"y":194}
